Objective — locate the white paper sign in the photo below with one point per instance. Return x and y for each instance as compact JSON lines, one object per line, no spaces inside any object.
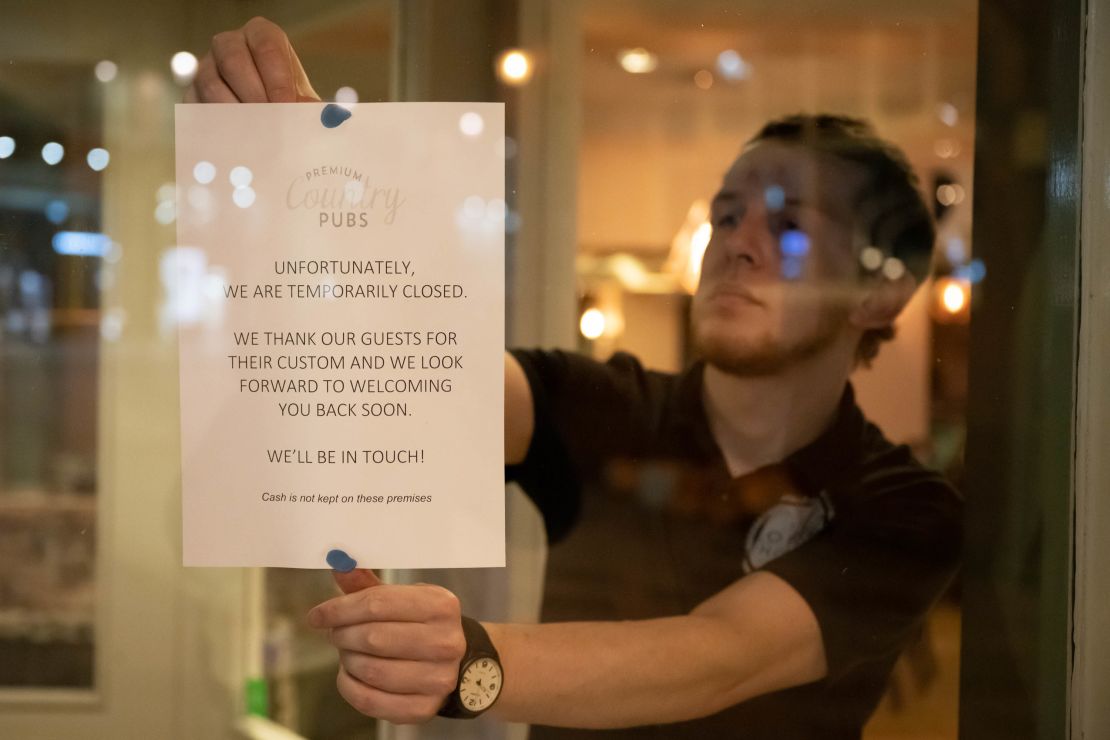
{"x":339,"y":296}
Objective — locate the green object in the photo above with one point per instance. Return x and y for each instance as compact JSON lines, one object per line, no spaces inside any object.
{"x":258,"y":697}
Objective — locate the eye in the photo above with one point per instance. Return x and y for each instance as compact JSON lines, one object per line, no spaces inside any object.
{"x":724,"y":221}
{"x":781,"y":223}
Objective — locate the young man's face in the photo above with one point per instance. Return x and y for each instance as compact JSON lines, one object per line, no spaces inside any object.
{"x":780,"y":273}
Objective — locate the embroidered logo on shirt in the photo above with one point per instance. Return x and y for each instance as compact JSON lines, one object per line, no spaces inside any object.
{"x":792,"y":521}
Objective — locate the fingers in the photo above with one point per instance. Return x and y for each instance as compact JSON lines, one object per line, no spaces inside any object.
{"x":396,"y":708}
{"x":273,"y":57}
{"x":402,"y":640}
{"x":236,"y":66}
{"x":356,"y":580}
{"x":253,"y":64}
{"x":401,"y":676}
{"x":388,"y":603}
{"x":208,"y":86}
{"x":305,"y":93}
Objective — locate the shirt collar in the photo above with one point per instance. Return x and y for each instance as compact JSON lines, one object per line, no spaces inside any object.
{"x":816,"y":466}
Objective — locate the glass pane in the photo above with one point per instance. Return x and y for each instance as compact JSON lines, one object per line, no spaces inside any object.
{"x":51,"y":257}
{"x":752,"y":333}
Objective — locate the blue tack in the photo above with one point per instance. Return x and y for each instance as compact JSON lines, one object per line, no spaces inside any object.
{"x":341,"y":561}
{"x":333,"y":115}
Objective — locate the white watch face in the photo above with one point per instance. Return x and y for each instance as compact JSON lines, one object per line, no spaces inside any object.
{"x":480,"y":684}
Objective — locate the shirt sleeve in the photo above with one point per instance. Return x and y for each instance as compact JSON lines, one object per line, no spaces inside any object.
{"x":873,"y":573}
{"x":585,"y":412}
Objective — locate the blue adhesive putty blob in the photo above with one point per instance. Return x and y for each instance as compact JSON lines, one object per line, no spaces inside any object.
{"x":333,"y":115}
{"x":341,"y":561}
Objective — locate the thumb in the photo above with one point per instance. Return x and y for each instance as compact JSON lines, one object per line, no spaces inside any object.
{"x":356,"y":580}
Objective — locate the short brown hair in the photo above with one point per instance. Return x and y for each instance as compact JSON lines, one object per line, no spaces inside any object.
{"x":898,"y":220}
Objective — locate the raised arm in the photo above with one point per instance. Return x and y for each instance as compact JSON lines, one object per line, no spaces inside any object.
{"x":519,"y":417}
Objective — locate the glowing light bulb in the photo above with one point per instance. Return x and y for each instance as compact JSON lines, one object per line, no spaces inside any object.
{"x":184,"y":66}
{"x":637,"y":61}
{"x":592,"y":323}
{"x":515,"y":67}
{"x":953,"y":297}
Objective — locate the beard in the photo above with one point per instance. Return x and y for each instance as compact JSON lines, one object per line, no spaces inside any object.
{"x":765,"y":354}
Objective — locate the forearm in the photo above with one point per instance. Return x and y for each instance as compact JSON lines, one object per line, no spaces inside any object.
{"x":756,"y":636}
{"x":619,"y":674}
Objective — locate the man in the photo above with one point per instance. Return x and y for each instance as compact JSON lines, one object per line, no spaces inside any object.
{"x":818,"y":546}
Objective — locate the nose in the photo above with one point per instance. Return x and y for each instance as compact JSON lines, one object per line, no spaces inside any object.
{"x":749,"y":241}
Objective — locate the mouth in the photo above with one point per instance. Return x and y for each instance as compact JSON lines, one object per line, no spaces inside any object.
{"x":734,"y":293}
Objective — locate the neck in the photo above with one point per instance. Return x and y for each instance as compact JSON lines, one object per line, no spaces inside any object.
{"x":761,"y":420}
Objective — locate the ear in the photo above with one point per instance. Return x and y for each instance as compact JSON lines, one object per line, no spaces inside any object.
{"x":883,"y":299}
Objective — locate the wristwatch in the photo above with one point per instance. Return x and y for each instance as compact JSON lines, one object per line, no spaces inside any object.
{"x":480,"y":675}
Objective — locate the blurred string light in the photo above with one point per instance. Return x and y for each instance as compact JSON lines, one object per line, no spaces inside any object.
{"x":732,"y":67}
{"x":953,"y":297}
{"x":951,"y":300}
{"x":973,"y":271}
{"x":243,"y":197}
{"x":471,"y":124}
{"x":774,"y":198}
{"x":241,"y":177}
{"x":955,"y":250}
{"x":703,"y":78}
{"x":57,"y":211}
{"x":346,"y":96}
{"x":794,"y":246}
{"x":52,"y":153}
{"x":592,"y":323}
{"x":184,"y":67}
{"x":637,"y":61}
{"x":166,"y":211}
{"x":948,"y":114}
{"x":514,"y":67}
{"x":947,"y":148}
{"x":893,"y":268}
{"x":81,"y":243}
{"x":949,"y":195}
{"x":105,"y":70}
{"x":204,"y":172}
{"x":98,"y":159}
{"x":871,"y":258}
{"x":7,"y":146}
{"x":477,"y":216}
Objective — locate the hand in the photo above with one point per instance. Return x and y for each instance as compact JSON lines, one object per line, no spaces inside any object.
{"x":399,"y":646}
{"x":252,"y":64}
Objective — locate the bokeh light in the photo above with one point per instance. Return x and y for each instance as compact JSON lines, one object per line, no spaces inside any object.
{"x":204,"y":172}
{"x":105,"y":70}
{"x":52,"y":153}
{"x":240,"y":176}
{"x":514,"y":67}
{"x":471,"y":124}
{"x":637,"y":61}
{"x":732,"y":66}
{"x":243,"y":197}
{"x":184,"y":66}
{"x":592,"y":323}
{"x":98,"y":159}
